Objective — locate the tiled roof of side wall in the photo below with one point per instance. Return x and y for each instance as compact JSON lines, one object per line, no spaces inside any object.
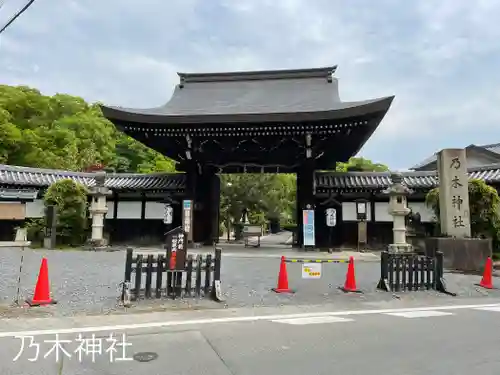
{"x":25,"y":176}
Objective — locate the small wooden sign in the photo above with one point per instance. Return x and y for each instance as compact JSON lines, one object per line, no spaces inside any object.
{"x":176,"y":246}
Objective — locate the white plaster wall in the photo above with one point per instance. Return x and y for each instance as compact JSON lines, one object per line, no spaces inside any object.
{"x":382,"y":212}
{"x":111,"y":210}
{"x":154,"y":210}
{"x":129,"y":210}
{"x":35,"y":209}
{"x":349,"y":211}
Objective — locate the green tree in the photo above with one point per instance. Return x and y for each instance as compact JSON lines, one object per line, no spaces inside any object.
{"x":266,"y":196}
{"x":65,"y":132}
{"x":361,"y":165}
{"x":484,"y":207}
{"x":70,"y":199}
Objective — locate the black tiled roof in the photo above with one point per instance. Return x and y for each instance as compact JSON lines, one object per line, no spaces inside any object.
{"x":25,"y":176}
{"x":494,"y":148}
{"x":254,"y":96}
{"x":413,"y":179}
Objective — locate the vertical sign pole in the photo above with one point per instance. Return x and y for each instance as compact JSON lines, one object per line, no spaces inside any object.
{"x":187,"y":219}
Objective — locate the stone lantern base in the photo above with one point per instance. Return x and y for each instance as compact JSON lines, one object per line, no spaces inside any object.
{"x":400,"y":248}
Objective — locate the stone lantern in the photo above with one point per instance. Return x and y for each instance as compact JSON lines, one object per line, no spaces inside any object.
{"x":398,"y":208}
{"x":98,"y":208}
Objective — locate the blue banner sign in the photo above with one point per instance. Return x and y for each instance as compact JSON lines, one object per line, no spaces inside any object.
{"x":308,"y":227}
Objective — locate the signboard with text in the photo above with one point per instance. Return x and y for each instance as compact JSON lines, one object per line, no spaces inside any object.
{"x":311,"y":270}
{"x":168,"y":214}
{"x":308,"y":227}
{"x":187,"y":218}
{"x":454,"y":193}
{"x":176,"y":246}
{"x":331,"y":217}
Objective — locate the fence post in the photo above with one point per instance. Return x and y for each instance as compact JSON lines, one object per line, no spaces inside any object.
{"x":199,"y":265}
{"x":159,"y":274}
{"x":384,"y":270}
{"x":138,"y":276}
{"x":189,"y":276}
{"x":216,"y":288}
{"x":208,"y":267}
{"x":128,"y":273}
{"x":397,"y":269}
{"x":439,"y":275}
{"x":149,"y":276}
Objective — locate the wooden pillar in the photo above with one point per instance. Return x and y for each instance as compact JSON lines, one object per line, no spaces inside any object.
{"x":215,"y":207}
{"x":305,"y":195}
{"x":204,"y":190}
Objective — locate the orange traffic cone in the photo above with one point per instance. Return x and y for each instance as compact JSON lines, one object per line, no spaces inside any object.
{"x":283,"y":279}
{"x":487,"y":280}
{"x":42,"y":289}
{"x":350,"y":279}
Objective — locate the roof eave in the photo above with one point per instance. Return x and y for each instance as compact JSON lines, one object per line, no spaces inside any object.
{"x":381,"y":105}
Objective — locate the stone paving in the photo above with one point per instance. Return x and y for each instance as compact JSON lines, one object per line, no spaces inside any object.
{"x":87,"y":282}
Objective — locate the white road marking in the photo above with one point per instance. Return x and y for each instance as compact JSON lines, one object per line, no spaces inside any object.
{"x":313,"y":320}
{"x":419,"y":314}
{"x":491,"y":308}
{"x":237,"y":319}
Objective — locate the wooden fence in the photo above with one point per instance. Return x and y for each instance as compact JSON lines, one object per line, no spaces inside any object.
{"x":411,"y":272}
{"x":150,"y":276}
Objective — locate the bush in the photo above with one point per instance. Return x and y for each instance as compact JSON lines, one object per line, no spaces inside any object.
{"x":70,"y":199}
{"x":35,"y":230}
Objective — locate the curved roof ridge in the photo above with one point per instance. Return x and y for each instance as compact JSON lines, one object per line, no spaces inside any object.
{"x":324,"y":72}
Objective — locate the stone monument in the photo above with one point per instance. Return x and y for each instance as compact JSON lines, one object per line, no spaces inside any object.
{"x":98,"y":208}
{"x":460,"y":251}
{"x":454,"y":214}
{"x":398,"y":208}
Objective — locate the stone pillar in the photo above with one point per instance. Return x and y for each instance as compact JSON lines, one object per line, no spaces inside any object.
{"x":98,"y":208}
{"x":398,"y":208}
{"x":454,"y":214}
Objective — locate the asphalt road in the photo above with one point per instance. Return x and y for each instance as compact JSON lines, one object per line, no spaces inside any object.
{"x":439,"y":340}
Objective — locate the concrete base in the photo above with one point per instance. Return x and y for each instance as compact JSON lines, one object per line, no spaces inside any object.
{"x":461,"y":254}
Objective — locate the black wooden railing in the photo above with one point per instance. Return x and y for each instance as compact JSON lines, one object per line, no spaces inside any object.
{"x":411,"y":272}
{"x":150,"y":276}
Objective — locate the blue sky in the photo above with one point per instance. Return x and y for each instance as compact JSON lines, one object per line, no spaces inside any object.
{"x":440,"y":58}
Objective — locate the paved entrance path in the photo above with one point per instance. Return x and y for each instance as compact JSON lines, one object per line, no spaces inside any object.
{"x":88,"y":283}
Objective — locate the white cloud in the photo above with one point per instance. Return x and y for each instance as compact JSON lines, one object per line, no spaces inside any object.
{"x":439,"y":57}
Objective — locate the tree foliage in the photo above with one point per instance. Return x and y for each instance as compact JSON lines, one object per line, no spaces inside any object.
{"x":70,"y":199}
{"x":484,"y":207}
{"x":65,"y":132}
{"x":361,"y":165}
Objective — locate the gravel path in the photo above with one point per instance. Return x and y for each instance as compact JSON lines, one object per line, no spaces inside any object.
{"x":88,"y":283}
